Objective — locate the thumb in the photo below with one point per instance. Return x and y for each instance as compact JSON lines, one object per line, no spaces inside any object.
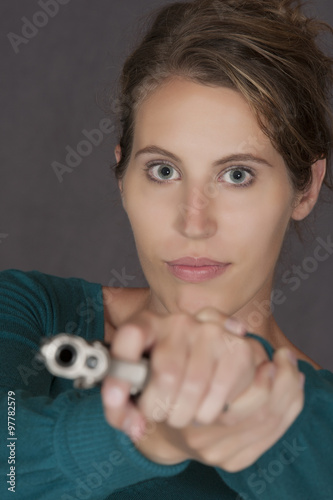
{"x":286,"y":364}
{"x":247,"y":403}
{"x":285,"y":356}
{"x":213,"y":315}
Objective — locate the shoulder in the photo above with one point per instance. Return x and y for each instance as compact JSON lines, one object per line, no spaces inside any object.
{"x":39,"y":284}
{"x":44,"y":299}
{"x":22,"y":286}
{"x":35,"y":278}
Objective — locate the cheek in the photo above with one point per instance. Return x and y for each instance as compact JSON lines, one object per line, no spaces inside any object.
{"x":262,"y":226}
{"x":149,"y":216}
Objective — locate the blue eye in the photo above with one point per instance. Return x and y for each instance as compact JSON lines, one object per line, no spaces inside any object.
{"x":161,"y":172}
{"x":240,"y":176}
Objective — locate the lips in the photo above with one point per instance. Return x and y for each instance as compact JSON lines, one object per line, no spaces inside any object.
{"x":196,"y":270}
{"x":195,"y":262}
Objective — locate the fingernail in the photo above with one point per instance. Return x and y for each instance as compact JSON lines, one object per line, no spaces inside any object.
{"x":234,"y":326}
{"x":115,"y":397}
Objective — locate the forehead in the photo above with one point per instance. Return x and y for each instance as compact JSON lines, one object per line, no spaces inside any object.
{"x":186,"y":114}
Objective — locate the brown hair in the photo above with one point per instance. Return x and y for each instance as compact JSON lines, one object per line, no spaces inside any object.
{"x":266,"y":49}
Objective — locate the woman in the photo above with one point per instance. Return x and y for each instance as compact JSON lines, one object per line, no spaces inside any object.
{"x":224,"y":144}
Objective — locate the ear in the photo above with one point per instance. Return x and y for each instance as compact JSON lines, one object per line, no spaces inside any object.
{"x":306,"y":201}
{"x":118,"y":155}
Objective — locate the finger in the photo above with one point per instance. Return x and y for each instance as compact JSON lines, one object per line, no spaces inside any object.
{"x":218,"y":441}
{"x":239,"y":440}
{"x":277,"y":389}
{"x":261,"y":391}
{"x":215,"y":400}
{"x":258,"y":431}
{"x":287,"y":401}
{"x":213,"y":315}
{"x":287,"y":392}
{"x":233,"y":375}
{"x":284,"y":357}
{"x":119,"y":412}
{"x":167,"y":368}
{"x":195,"y":382}
{"x":251,"y":400}
{"x":257,"y":443}
{"x":227,"y":324}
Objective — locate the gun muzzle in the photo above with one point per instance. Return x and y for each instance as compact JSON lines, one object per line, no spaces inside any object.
{"x":88,"y":363}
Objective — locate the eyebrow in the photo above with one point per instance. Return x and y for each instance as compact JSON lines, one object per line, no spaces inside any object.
{"x":217,"y":163}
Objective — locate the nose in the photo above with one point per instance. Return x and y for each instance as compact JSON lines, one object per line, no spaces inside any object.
{"x":196,"y":217}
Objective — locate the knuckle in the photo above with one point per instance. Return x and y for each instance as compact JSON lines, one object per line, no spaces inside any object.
{"x":167,"y":371}
{"x":170,"y":377}
{"x":178,"y":423}
{"x":204,"y":419}
{"x":194,"y":383}
{"x":219,"y":387}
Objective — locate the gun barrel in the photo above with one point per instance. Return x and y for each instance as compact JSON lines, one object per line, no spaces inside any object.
{"x":88,"y":363}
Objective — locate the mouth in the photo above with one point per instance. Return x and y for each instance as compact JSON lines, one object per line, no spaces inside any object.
{"x":196,"y":270}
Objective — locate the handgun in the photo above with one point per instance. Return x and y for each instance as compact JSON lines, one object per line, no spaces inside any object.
{"x":88,"y":363}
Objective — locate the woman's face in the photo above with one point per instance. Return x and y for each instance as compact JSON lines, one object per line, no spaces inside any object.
{"x":218,"y":190}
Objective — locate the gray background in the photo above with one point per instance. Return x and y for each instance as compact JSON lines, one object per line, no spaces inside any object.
{"x":77,"y":227}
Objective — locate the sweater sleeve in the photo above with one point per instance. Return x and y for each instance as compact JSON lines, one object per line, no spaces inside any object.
{"x":57,"y":443}
{"x":299,"y":465}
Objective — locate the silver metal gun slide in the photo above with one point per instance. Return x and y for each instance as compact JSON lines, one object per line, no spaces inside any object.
{"x":88,"y":363}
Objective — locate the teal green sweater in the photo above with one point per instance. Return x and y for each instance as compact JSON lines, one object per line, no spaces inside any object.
{"x":62,"y":448}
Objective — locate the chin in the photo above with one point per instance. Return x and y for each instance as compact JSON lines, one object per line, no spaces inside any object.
{"x":195,"y":301}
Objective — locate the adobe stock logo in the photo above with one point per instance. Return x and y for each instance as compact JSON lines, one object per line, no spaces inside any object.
{"x":84,"y":148}
{"x":40,"y":19}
